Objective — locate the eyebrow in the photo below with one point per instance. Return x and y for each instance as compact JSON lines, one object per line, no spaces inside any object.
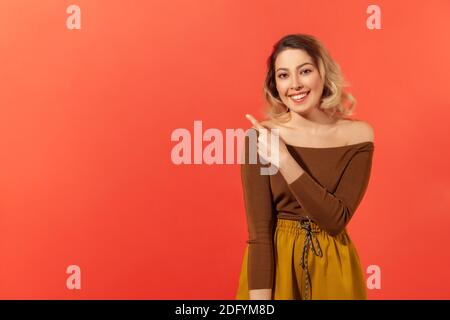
{"x":297,"y":66}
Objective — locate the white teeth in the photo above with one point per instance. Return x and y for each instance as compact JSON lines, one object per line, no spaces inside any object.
{"x":299,"y":96}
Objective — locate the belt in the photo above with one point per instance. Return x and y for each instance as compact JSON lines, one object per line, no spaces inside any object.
{"x":305,"y":225}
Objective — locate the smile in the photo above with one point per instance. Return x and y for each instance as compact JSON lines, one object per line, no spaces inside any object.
{"x":300,"y":97}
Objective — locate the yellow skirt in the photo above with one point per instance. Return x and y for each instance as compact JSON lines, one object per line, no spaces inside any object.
{"x":311,"y":264}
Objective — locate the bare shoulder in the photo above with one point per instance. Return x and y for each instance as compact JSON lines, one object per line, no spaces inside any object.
{"x":360,"y":131}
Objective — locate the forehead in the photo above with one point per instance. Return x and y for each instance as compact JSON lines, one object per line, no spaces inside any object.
{"x":290,"y":58}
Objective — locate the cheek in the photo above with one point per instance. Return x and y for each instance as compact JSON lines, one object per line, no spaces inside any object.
{"x":282,"y":89}
{"x":316,"y":82}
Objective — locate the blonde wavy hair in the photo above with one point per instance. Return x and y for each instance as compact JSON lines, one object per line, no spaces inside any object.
{"x":335,"y":101}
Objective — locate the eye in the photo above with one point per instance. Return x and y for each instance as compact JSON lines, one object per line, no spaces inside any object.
{"x":281,"y":75}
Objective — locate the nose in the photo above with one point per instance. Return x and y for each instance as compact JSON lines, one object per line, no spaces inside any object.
{"x":296,"y":85}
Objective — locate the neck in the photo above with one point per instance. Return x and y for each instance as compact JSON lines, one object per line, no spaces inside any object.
{"x":316,"y":120}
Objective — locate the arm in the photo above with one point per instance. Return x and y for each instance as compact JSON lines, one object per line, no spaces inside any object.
{"x":332,"y":211}
{"x":260,"y":221}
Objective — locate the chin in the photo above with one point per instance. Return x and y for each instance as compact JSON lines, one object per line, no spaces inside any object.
{"x":300,"y":108}
{"x":302,"y":112}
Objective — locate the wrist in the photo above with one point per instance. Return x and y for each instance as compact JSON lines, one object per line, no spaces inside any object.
{"x":285,"y":158}
{"x":290,"y":169}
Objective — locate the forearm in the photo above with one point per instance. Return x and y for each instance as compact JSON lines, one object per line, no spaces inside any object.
{"x":332,"y":210}
{"x":290,"y":169}
{"x":260,"y":294}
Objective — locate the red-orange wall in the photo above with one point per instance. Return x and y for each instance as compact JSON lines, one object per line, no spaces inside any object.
{"x":86,"y":117}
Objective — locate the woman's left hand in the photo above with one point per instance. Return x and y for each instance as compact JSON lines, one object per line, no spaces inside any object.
{"x":265,"y":144}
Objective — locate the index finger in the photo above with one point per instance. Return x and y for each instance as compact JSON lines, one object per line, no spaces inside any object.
{"x":255,"y":122}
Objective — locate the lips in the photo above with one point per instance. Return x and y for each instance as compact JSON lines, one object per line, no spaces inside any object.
{"x":299,"y":97}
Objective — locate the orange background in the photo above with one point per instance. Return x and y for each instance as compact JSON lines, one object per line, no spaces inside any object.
{"x":86,"y":119}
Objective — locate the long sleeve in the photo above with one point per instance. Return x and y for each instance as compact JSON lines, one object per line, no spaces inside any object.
{"x":333,"y":211}
{"x":260,"y":218}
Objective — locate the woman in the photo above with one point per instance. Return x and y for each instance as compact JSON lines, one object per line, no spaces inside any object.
{"x":298,"y":245}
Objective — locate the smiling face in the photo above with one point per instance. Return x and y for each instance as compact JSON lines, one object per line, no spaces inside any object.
{"x":295,"y":74}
